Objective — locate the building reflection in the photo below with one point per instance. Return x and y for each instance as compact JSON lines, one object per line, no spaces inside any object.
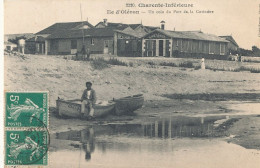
{"x":171,"y":129}
{"x":164,"y":128}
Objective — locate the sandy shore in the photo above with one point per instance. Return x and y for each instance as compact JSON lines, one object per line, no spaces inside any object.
{"x":160,"y":85}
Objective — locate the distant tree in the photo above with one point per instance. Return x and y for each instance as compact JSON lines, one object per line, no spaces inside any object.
{"x":244,"y":52}
{"x":256,"y":51}
{"x":16,"y":39}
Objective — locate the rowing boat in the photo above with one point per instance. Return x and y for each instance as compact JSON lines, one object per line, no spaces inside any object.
{"x":127,"y":105}
{"x":72,"y":108}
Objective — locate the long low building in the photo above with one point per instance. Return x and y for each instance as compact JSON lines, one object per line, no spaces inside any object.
{"x":182,"y":44}
{"x":134,"y":40}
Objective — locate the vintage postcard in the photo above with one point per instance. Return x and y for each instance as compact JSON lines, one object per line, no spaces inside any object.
{"x":131,"y":83}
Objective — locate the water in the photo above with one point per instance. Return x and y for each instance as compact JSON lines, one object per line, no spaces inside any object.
{"x":249,"y":108}
{"x":166,"y":142}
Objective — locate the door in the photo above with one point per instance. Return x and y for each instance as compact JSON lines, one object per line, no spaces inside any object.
{"x":150,"y":48}
{"x":128,"y":48}
{"x":160,"y":47}
{"x":106,"y":47}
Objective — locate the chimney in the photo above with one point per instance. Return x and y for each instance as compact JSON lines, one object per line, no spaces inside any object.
{"x":162,"y":24}
{"x":105,"y":22}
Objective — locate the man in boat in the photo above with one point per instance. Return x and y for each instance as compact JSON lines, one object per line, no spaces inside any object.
{"x":88,"y":98}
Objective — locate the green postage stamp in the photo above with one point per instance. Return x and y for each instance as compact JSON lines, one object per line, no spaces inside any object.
{"x":27,"y":147}
{"x":26,"y":128}
{"x":26,"y":109}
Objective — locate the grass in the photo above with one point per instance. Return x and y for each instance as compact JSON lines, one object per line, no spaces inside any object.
{"x":131,"y":64}
{"x":251,"y":69}
{"x":214,"y":65}
{"x":187,"y":64}
{"x":101,"y":63}
{"x":171,"y":64}
{"x":251,"y":59}
{"x":114,"y":61}
{"x":254,"y":70}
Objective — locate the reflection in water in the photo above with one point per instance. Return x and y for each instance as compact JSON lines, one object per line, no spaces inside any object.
{"x":168,"y":128}
{"x":178,"y":127}
{"x":86,"y":137}
{"x":160,"y":142}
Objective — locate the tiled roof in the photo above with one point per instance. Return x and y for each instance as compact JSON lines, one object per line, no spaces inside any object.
{"x":122,"y":26}
{"x":62,"y":27}
{"x":118,"y":26}
{"x":133,"y":26}
{"x":9,"y":43}
{"x":132,"y":33}
{"x":93,"y":32}
{"x":31,"y":39}
{"x":231,"y":39}
{"x":194,"y":35}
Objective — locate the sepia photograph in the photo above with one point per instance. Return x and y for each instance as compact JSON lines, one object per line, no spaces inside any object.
{"x":131,"y":83}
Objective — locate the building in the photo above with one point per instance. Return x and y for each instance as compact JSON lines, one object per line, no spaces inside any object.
{"x":233,"y":47}
{"x":168,"y":43}
{"x":128,"y":43}
{"x":134,"y":40}
{"x":16,"y":41}
{"x":104,"y":38}
{"x":10,"y":46}
{"x":122,"y":26}
{"x":43,"y":45}
{"x":98,"y":40}
{"x":127,"y":37}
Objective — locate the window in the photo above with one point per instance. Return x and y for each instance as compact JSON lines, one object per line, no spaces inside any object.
{"x":92,"y":41}
{"x":222,"y":49}
{"x":182,"y":45}
{"x":200,"y":46}
{"x":177,"y":45}
{"x":106,"y":43}
{"x":73,"y":44}
{"x":211,"y":48}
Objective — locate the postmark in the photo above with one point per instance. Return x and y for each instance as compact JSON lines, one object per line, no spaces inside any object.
{"x":26,"y":109}
{"x":26,"y":147}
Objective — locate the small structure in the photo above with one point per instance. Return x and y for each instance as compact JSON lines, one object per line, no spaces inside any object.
{"x":202,"y":64}
{"x":9,"y":46}
{"x":18,"y":41}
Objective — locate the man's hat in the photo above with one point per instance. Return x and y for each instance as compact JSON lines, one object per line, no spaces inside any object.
{"x":88,"y":83}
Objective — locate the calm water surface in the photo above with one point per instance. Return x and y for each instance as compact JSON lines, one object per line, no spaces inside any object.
{"x":165,"y":142}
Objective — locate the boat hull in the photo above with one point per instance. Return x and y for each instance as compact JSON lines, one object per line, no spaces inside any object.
{"x":127,"y":105}
{"x":72,"y":108}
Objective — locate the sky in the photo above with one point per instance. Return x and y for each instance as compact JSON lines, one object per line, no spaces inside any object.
{"x":239,"y":18}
